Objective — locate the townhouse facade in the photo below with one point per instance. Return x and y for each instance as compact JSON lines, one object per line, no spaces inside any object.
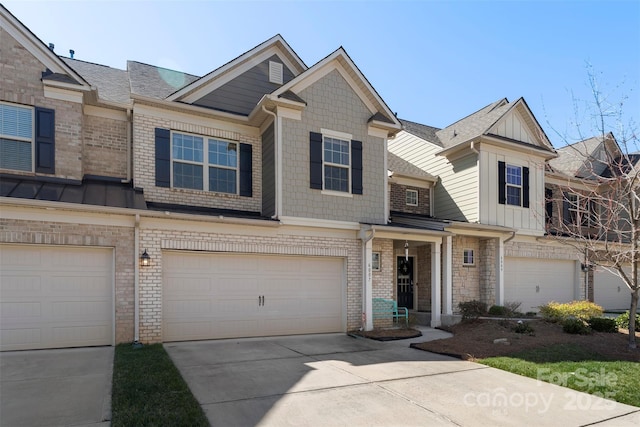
{"x":264,"y":198}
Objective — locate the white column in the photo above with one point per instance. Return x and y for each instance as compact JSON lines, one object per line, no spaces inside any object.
{"x":447,"y":262}
{"x":499,"y":271}
{"x":367,"y":296}
{"x":435,"y":285}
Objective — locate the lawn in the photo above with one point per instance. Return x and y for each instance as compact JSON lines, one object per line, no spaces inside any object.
{"x":149,"y":391}
{"x":570,"y":365}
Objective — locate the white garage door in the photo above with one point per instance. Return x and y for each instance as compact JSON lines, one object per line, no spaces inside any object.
{"x":53,"y":297}
{"x":610,"y":291}
{"x":208,"y":296}
{"x":535,"y":282}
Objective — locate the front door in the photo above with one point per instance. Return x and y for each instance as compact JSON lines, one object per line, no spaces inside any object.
{"x":405,"y":282}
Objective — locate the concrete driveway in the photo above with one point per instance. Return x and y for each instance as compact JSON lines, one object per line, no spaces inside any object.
{"x":338,"y":380}
{"x":67,"y":387}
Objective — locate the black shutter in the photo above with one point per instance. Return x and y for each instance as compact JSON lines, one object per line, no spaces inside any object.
{"x":502,"y":183}
{"x":163,"y":157}
{"x":525,"y":187}
{"x":548,"y":195}
{"x":45,"y":140}
{"x":566,"y":218}
{"x":315,"y":157}
{"x":356,"y":167}
{"x":246,"y":170}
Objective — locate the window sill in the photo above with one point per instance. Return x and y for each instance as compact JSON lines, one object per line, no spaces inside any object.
{"x":336,"y":193}
{"x":469,"y":265}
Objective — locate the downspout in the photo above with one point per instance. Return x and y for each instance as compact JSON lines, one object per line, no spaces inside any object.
{"x":129,"y":147}
{"x":366,"y":308}
{"x":276,"y":156}
{"x":136,"y":283}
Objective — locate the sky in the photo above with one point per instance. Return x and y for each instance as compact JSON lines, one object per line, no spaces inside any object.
{"x":432,"y":62}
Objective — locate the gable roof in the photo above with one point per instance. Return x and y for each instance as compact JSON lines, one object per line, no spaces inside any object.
{"x":58,"y":70}
{"x":112,"y":83}
{"x":205,"y":84}
{"x":428,"y":133}
{"x":588,"y":158}
{"x":339,"y":59}
{"x":400,"y":166}
{"x":156,"y":82}
{"x":485,"y":122}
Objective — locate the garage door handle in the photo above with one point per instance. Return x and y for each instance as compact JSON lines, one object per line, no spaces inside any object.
{"x":260,"y":300}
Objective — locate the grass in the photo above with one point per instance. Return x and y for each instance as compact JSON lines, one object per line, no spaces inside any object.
{"x":149,"y":391}
{"x":573,"y":366}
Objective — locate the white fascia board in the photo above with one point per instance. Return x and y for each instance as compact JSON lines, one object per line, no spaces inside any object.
{"x":523,"y":148}
{"x":377,"y":132}
{"x":569,"y":182}
{"x":64,"y":214}
{"x":319,"y":223}
{"x":411,"y":181}
{"x":36,"y":47}
{"x":105,"y":113}
{"x":403,"y":233}
{"x":479,"y":230}
{"x":63,"y":94}
{"x":324,"y":67}
{"x":236,"y":67}
{"x":185,"y":114}
{"x":51,"y":206}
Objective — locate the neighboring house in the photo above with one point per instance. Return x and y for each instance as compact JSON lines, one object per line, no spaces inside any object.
{"x":580,"y":187}
{"x":491,"y":190}
{"x":153,"y":205}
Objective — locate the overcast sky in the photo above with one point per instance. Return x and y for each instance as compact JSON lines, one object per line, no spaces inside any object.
{"x":433,"y":62}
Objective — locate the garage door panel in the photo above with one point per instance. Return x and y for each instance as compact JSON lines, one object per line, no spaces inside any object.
{"x":535,"y":282}
{"x":610,"y":291}
{"x":55,"y":296}
{"x":238,"y":284}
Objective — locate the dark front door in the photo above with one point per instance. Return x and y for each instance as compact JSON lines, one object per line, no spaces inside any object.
{"x":405,"y":282}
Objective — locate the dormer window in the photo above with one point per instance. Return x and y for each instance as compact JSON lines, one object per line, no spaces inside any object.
{"x":275,"y":72}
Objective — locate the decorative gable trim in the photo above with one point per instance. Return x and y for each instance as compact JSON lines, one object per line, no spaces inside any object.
{"x":340,"y":61}
{"x":206,"y":84}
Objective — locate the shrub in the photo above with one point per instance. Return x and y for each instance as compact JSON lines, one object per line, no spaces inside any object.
{"x":523,"y":328}
{"x":498,"y":310}
{"x":512,"y":308}
{"x":472,"y":309}
{"x":603,"y":324}
{"x":557,"y":312}
{"x":573,"y":325}
{"x":530,"y":314}
{"x":622,"y":321}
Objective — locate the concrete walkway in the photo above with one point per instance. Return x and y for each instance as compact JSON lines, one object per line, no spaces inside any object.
{"x":338,"y":380}
{"x":68,"y":387}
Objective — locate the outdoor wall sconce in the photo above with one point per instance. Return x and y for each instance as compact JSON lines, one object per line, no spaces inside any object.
{"x":585,"y":267}
{"x":406,"y":250}
{"x":145,"y":259}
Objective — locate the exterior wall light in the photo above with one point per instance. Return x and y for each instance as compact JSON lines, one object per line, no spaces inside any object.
{"x":145,"y":259}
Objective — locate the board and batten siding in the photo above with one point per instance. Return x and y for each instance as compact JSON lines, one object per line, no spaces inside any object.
{"x":511,"y":127}
{"x":529,"y":220}
{"x":268,"y":172}
{"x":241,"y":94}
{"x":456,"y":193}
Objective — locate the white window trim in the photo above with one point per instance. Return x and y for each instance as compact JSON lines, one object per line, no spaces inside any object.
{"x":373,"y":255}
{"x":581,"y":205}
{"x":31,"y":140}
{"x":346,"y":137}
{"x":507,"y":184}
{"x":464,"y":258}
{"x":407,"y":193}
{"x":205,"y":162}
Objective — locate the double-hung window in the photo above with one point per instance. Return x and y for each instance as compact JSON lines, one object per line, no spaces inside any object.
{"x":203,"y":163}
{"x":514,"y":185}
{"x":16,"y":137}
{"x":411,"y":198}
{"x":336,"y":164}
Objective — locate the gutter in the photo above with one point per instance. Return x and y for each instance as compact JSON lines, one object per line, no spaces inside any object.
{"x":136,"y":284}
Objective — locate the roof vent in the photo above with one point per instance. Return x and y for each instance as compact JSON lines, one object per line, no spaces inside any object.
{"x":275,"y":72}
{"x":51,"y":46}
{"x":71,"y":53}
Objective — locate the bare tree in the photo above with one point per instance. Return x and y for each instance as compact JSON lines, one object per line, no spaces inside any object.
{"x":594,"y":203}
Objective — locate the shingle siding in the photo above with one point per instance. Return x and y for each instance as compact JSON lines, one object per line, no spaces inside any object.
{"x":241,"y":94}
{"x":332,"y":104}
